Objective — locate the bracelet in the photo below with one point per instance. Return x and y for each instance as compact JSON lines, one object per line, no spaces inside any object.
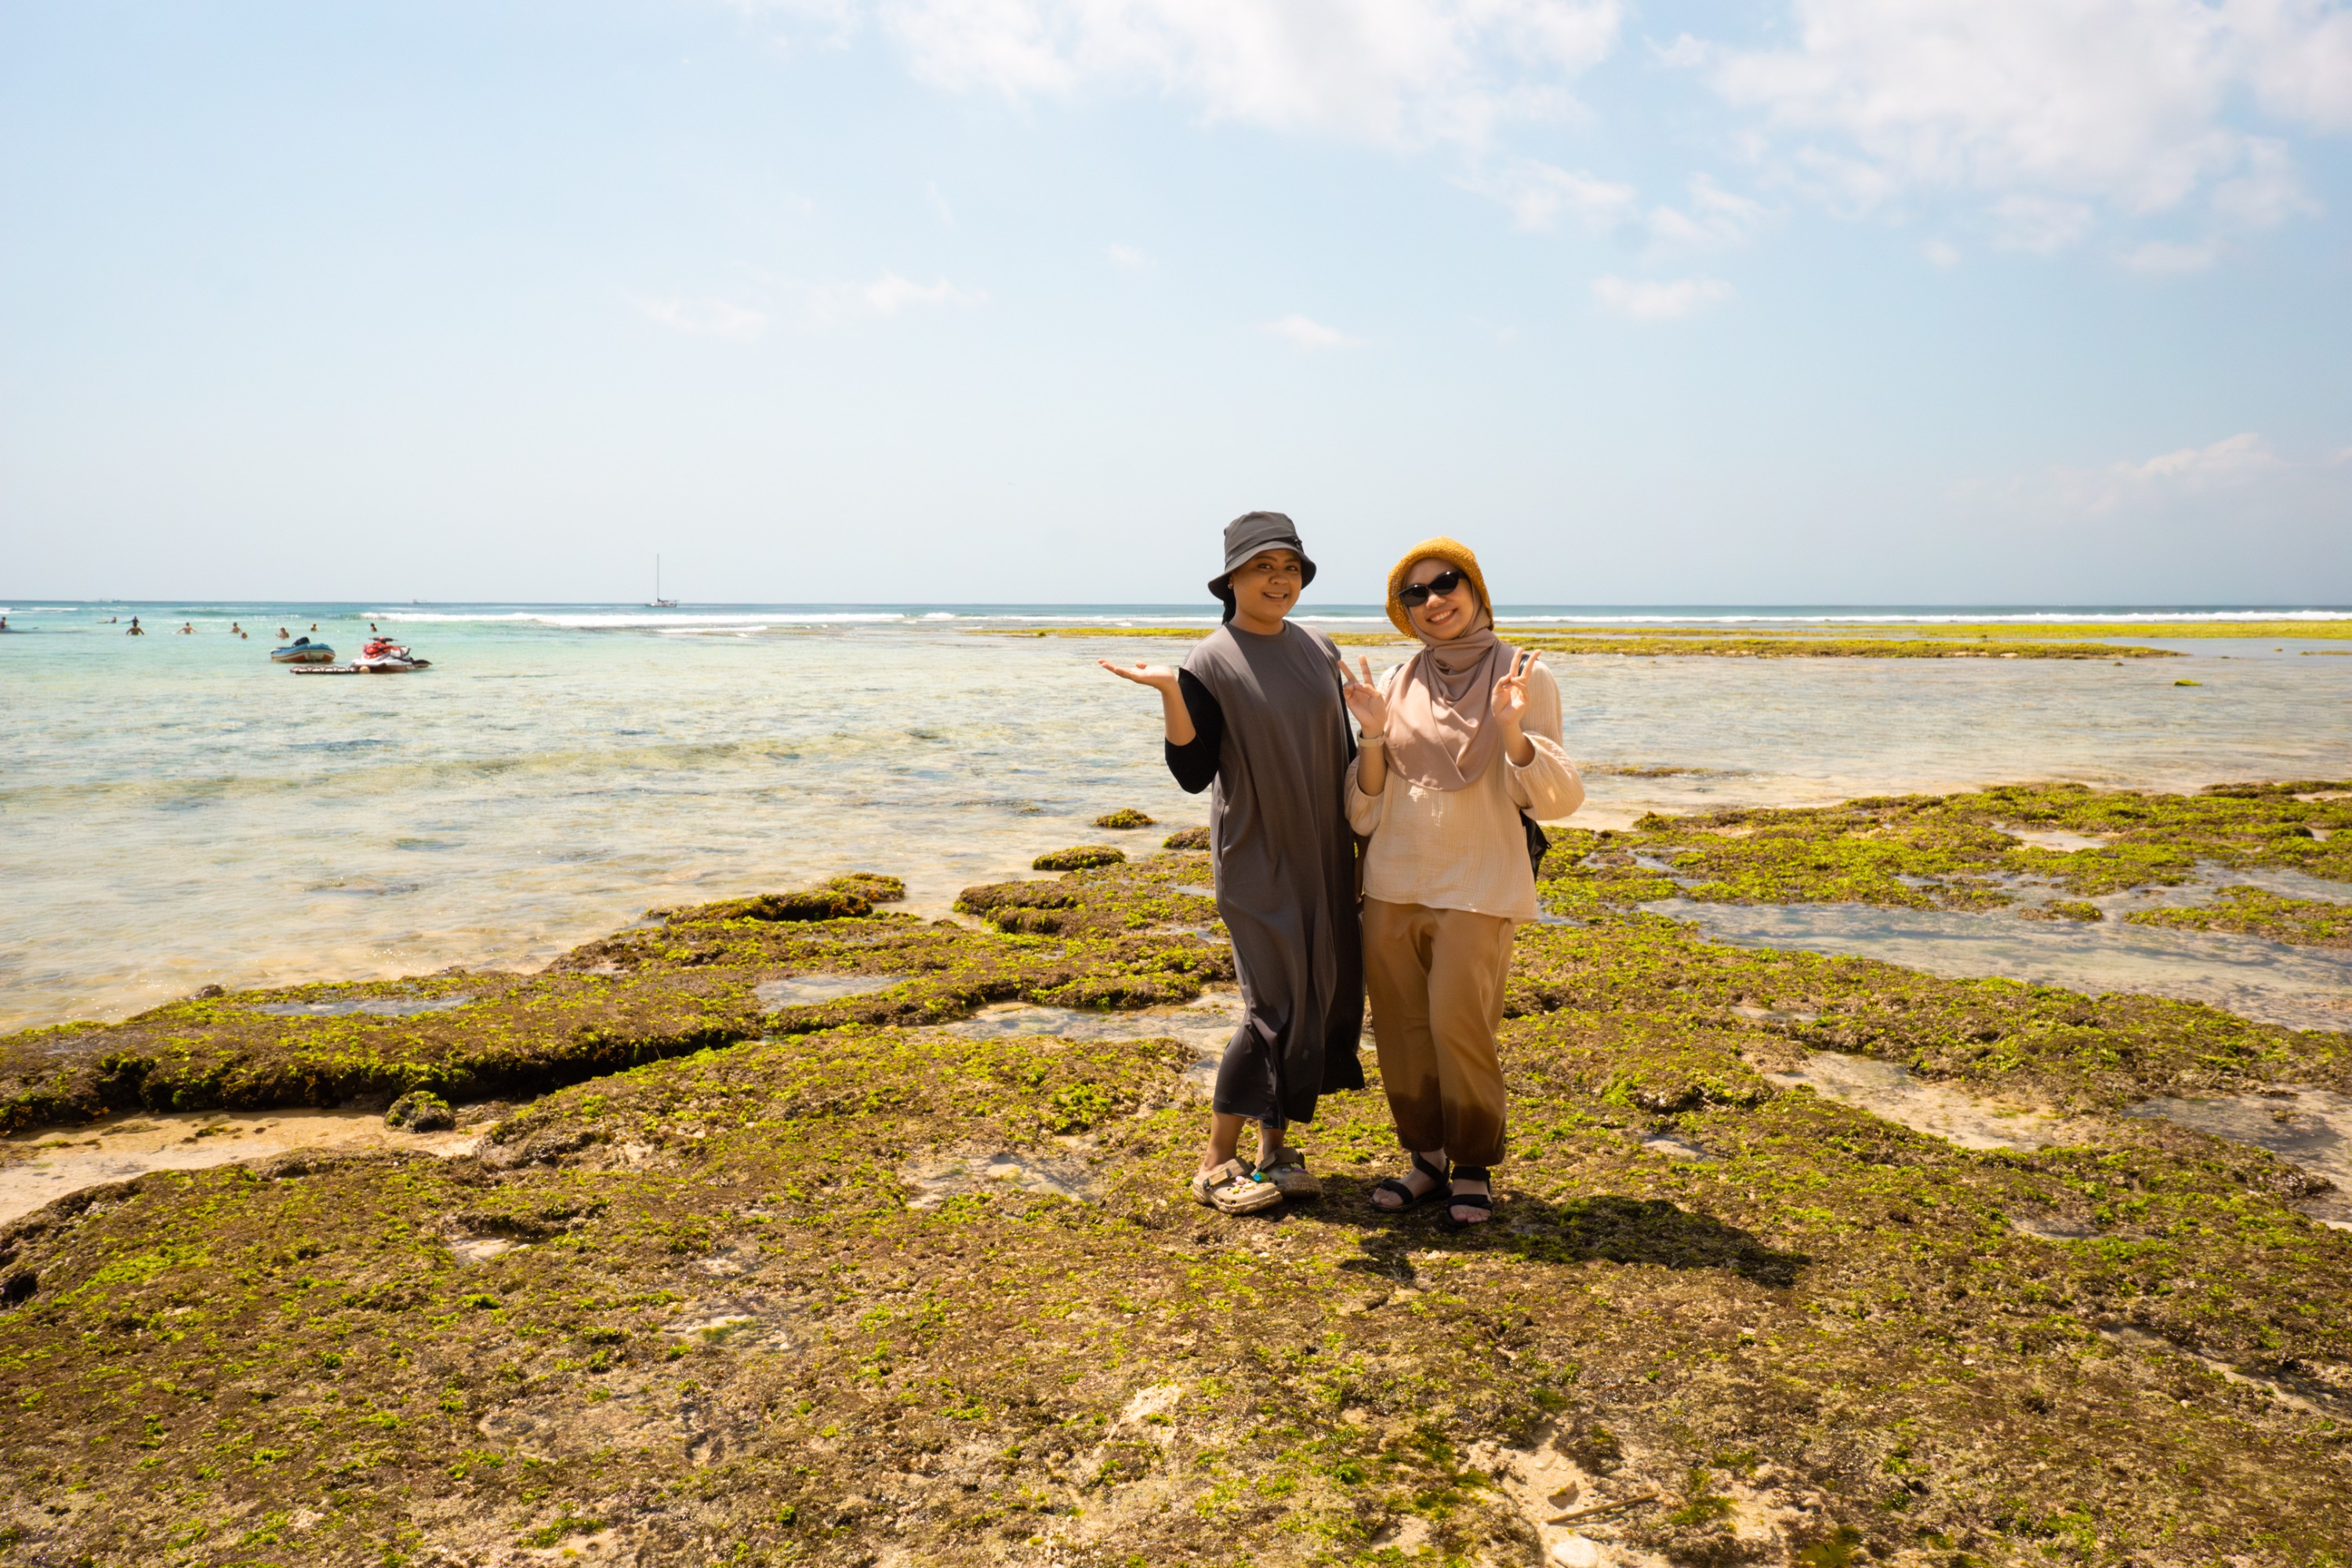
{"x":1371,"y":740}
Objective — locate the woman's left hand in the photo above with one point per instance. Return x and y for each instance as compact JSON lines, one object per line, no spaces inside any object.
{"x":1511,"y":693}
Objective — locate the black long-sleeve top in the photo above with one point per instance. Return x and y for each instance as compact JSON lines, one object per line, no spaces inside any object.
{"x":1194,"y":762}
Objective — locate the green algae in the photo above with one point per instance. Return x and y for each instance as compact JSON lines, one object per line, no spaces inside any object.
{"x":724,"y":1335}
{"x":1676,"y":642}
{"x":1125,"y":817}
{"x":720,"y":1333}
{"x":2256,"y":911}
{"x":684,"y":981}
{"x":1078,"y":857}
{"x":1718,"y":646}
{"x":1961,"y":851}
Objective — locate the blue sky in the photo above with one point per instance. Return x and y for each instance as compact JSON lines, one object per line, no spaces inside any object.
{"x":1843,"y":300}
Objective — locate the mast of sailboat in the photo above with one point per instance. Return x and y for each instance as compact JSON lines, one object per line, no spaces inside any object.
{"x":660,"y":602}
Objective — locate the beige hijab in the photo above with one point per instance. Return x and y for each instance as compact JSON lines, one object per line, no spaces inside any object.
{"x":1441,"y":730}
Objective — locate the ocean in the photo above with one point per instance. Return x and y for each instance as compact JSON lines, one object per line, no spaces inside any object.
{"x":178,"y":811}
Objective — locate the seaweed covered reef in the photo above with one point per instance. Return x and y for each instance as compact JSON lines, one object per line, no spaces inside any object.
{"x":1979,"y":850}
{"x":861,"y":1288}
{"x":681,"y":981}
{"x":1670,"y":642}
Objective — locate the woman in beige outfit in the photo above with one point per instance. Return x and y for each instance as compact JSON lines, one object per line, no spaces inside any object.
{"x":1460,"y":742}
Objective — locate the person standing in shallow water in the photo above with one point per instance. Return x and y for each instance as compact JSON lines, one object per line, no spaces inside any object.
{"x":1256,"y":712}
{"x":1460,"y":742}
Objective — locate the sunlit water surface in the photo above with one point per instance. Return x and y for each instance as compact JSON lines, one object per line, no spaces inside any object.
{"x":178,"y":811}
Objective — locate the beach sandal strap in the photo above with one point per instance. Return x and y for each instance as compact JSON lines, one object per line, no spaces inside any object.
{"x":1396,"y":1185}
{"x":1478,"y":1203}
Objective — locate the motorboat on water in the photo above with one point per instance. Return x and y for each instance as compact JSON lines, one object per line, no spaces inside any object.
{"x":302,"y":650}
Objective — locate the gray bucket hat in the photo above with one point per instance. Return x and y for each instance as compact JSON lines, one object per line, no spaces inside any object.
{"x":1254,"y":533}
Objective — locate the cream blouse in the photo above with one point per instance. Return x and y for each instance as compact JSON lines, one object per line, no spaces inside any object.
{"x":1465,"y":849}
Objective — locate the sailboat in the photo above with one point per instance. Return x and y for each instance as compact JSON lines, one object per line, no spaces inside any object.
{"x":660,"y":603}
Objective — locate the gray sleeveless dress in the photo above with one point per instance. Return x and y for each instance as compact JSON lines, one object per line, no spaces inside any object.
{"x":1286,"y":869}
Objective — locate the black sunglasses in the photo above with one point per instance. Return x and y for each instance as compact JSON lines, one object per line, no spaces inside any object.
{"x":1418,"y":594}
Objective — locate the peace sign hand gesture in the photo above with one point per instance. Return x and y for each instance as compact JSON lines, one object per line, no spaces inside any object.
{"x":1364,"y":699}
{"x":1511,"y":705}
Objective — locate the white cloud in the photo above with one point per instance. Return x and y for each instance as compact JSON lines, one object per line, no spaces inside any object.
{"x":2124,"y":105}
{"x":2167,"y":479}
{"x":1942,"y":252}
{"x":1715,"y":218}
{"x":2234,"y":457}
{"x":824,"y":306}
{"x":1539,"y":195}
{"x":2161,"y":257}
{"x":1659,"y":300}
{"x":1397,"y":71}
{"x":2038,"y":224}
{"x":706,"y":318}
{"x":890,"y":294}
{"x":1684,"y":53}
{"x":1126,"y":256}
{"x":1311,"y":334}
{"x":939,"y":208}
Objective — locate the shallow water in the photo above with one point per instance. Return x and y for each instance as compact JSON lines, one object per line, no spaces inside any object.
{"x":1940,"y":1111}
{"x":39,"y":1168}
{"x":2308,"y":1127}
{"x":804,"y":988}
{"x":1206,"y":1023}
{"x":996,"y":1172}
{"x":179,"y":811}
{"x":373,"y":1006}
{"x":2301,"y":987}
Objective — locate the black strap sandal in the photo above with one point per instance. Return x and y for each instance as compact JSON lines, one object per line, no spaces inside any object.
{"x":1483,"y":1203}
{"x":1437,"y":1183}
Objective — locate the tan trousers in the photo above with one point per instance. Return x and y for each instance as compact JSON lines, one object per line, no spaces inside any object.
{"x":1435,"y":977}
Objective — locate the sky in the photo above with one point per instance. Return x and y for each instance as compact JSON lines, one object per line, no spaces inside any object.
{"x":1822,"y":301}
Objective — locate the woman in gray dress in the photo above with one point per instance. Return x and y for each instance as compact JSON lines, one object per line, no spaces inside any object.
{"x":1256,"y":711}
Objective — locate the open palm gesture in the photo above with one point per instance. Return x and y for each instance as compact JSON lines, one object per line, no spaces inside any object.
{"x":1159,"y":677}
{"x":1364,"y":699}
{"x":1511,"y":693}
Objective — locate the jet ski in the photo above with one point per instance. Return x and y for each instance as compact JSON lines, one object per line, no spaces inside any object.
{"x":382,"y":656}
{"x":302,"y":650}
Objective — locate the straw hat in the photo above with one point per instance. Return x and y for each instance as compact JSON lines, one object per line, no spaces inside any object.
{"x":1453,"y":552}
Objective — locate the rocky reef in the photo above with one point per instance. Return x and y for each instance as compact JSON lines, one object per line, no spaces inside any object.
{"x":1674,"y":642}
{"x":789,"y":1262}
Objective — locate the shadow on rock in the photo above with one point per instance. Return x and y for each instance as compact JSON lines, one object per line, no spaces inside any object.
{"x":1605,"y":1227}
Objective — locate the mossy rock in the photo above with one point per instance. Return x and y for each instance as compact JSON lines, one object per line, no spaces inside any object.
{"x":872,"y":885}
{"x":834,"y":903}
{"x":738,"y":1306}
{"x":1125,"y":817}
{"x":1078,"y":857}
{"x":2065,"y":910}
{"x":421,"y":1110}
{"x":1186,"y":838}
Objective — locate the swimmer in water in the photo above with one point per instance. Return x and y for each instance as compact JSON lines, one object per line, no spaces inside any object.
{"x":283,"y":634}
{"x":134,"y":631}
{"x":187,"y":628}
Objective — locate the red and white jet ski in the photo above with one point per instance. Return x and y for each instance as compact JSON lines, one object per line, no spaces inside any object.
{"x":382,"y":656}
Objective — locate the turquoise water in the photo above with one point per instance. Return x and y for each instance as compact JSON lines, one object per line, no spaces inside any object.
{"x":178,"y":811}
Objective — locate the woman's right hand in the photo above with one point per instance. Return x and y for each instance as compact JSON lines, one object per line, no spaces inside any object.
{"x":1159,"y":677}
{"x":1364,"y":699}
